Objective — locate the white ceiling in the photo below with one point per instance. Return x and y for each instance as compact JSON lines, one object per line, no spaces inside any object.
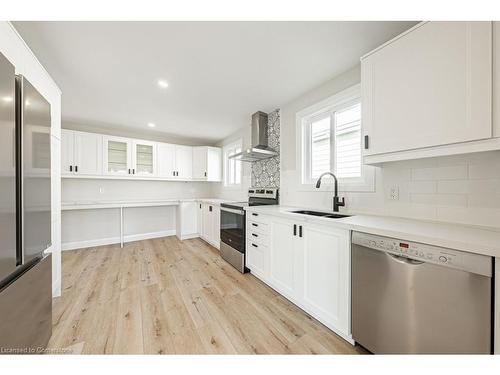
{"x":219,"y":73}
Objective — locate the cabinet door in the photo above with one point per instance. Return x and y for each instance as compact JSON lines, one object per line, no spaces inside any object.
{"x":205,"y":226}
{"x":199,"y":162}
{"x":430,"y":87}
{"x":325,"y":275}
{"x":257,"y":259}
{"x":166,"y":160}
{"x":117,"y":155}
{"x":67,"y":151}
{"x":199,"y":219}
{"x":214,"y":164}
{"x":216,"y":226}
{"x":282,"y":259}
{"x":144,"y":158}
{"x":184,"y":161}
{"x":88,"y":154}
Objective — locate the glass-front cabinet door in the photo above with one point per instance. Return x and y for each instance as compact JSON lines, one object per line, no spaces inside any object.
{"x":117,"y":156}
{"x":144,"y":158}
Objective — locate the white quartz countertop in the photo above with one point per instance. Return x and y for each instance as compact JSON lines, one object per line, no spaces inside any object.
{"x":87,"y":205}
{"x":474,"y":239}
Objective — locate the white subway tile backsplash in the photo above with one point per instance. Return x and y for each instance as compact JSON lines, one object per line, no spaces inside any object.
{"x":484,"y":200}
{"x":469,"y":186}
{"x":453,"y":172}
{"x":422,"y":187}
{"x":453,"y":200}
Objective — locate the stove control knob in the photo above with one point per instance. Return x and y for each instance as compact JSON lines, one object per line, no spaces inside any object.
{"x":443,"y":259}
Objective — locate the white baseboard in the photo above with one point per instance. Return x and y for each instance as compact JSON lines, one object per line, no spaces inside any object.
{"x":112,"y":240}
{"x":188,"y":236}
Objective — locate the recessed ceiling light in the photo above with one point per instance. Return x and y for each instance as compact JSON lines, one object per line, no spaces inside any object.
{"x":162,"y":83}
{"x":151,"y":124}
{"x":7,"y":99}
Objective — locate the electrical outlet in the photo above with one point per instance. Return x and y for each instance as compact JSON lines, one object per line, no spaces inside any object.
{"x":394,"y":193}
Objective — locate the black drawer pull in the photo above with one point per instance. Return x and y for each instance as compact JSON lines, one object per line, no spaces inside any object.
{"x":76,"y":168}
{"x":255,"y":235}
{"x":300,"y":230}
{"x":294,"y":229}
{"x":254,"y":245}
{"x":71,"y":168}
{"x":255,"y":225}
{"x":254,"y":214}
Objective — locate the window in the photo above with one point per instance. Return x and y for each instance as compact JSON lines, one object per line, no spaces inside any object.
{"x":232,"y":168}
{"x":331,"y":141}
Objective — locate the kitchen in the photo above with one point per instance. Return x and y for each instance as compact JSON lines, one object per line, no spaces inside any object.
{"x":348,"y":204}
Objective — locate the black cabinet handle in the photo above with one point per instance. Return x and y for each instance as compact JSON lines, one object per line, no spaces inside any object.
{"x":205,"y":174}
{"x":71,"y":168}
{"x":210,"y":208}
{"x":129,"y":171}
{"x":173,"y":173}
{"x":254,"y":245}
{"x":254,"y":214}
{"x":255,"y":225}
{"x":200,"y":206}
{"x":76,"y":168}
{"x":367,"y":142}
{"x":255,"y":235}
{"x":294,"y":229}
{"x":133,"y":170}
{"x":300,"y":230}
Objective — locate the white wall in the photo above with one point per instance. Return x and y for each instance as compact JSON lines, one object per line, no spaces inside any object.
{"x":239,"y":193}
{"x":18,"y":53}
{"x":459,"y":189}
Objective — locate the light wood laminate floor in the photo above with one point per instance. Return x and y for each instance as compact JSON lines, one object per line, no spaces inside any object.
{"x":176,"y":297}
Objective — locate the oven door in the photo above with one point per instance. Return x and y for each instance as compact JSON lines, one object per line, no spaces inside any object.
{"x":232,"y":228}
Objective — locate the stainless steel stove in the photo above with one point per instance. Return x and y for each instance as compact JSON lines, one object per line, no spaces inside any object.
{"x":232,"y":224}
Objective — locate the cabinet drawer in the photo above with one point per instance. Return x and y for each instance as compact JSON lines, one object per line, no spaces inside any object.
{"x":257,"y":227}
{"x":258,"y":218}
{"x":258,"y":238}
{"x":256,"y":259}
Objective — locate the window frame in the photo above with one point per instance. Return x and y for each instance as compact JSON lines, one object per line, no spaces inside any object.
{"x":238,"y":144}
{"x":322,"y":109}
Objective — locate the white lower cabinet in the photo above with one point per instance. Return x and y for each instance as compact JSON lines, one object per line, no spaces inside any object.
{"x":325,"y":259}
{"x":210,"y":224}
{"x":307,"y":263}
{"x":284,"y":247}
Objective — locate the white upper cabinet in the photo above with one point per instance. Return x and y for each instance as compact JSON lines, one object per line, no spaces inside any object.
{"x":429,"y":87}
{"x":175,"y":161}
{"x":67,"y":151}
{"x":117,"y":155}
{"x":96,"y":155}
{"x":207,"y":163}
{"x":144,"y":162}
{"x":166,"y":160}
{"x":81,"y":153}
{"x":184,"y":161}
{"x":88,"y":153}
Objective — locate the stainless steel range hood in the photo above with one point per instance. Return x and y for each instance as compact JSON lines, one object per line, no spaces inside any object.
{"x":260,"y":149}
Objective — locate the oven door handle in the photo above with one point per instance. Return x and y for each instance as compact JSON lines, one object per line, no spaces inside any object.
{"x":233,"y":211}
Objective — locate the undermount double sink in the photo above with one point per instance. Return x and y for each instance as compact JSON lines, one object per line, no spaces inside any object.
{"x":320,"y":214}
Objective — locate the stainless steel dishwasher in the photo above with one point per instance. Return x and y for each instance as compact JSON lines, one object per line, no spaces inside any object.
{"x":409,"y":297}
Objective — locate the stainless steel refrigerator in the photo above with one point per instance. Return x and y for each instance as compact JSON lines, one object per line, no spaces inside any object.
{"x":25,"y":215}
